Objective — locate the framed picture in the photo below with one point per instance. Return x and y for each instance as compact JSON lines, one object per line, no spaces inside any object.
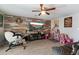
{"x":19,"y":20}
{"x":68,"y":22}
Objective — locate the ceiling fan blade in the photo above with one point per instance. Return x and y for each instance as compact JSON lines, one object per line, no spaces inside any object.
{"x":39,"y":14}
{"x":47,"y":13}
{"x":50,"y":9}
{"x":42,"y":7}
{"x":35,"y":10}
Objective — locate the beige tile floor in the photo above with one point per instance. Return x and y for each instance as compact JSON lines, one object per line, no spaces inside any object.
{"x":38,"y":47}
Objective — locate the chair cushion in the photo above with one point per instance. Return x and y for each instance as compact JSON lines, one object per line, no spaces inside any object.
{"x":10,"y":37}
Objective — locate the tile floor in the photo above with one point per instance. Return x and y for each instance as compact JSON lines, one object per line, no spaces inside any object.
{"x":38,"y":47}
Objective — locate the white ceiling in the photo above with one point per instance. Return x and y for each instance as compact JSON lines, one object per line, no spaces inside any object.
{"x":26,"y":10}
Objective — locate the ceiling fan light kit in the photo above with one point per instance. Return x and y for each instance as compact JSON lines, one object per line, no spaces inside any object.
{"x":43,"y":12}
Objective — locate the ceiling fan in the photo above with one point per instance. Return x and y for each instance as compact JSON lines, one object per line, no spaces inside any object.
{"x":43,"y":10}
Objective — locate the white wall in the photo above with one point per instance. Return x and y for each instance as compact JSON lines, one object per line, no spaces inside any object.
{"x":73,"y":32}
